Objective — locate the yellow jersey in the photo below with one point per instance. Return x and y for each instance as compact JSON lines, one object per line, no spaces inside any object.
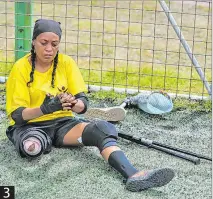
{"x":18,"y":94}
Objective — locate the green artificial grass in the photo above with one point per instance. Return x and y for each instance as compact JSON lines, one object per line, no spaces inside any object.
{"x":81,"y":173}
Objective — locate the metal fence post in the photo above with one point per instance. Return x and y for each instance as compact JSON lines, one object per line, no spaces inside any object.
{"x":23,"y":21}
{"x":185,"y":45}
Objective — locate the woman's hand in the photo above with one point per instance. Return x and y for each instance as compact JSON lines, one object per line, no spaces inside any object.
{"x":51,"y":104}
{"x":69,"y":102}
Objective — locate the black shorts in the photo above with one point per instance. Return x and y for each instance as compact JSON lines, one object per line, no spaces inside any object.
{"x":56,"y":129}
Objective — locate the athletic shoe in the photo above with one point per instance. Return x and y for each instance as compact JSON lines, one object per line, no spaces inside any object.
{"x":111,"y":114}
{"x":149,"y":179}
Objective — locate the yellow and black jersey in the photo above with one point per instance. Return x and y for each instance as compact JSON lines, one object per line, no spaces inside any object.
{"x":18,"y":94}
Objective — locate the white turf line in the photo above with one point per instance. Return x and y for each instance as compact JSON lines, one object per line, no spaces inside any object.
{"x":131,"y":91}
{"x":135,"y":91}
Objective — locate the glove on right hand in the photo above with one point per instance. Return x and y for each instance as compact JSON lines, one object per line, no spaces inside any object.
{"x":51,"y":105}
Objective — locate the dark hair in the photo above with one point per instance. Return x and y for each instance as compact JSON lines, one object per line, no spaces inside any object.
{"x":33,"y":57}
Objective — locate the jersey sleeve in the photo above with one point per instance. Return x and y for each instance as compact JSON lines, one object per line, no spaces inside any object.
{"x":17,"y":92}
{"x":75,"y":80}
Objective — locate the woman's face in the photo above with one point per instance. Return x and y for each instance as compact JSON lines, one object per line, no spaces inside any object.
{"x":46,"y":46}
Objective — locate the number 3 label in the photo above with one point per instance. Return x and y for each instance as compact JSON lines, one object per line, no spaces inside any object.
{"x":7,"y":192}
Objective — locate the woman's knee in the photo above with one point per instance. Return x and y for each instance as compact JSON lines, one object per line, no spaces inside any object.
{"x":101,"y":134}
{"x":32,"y":146}
{"x":33,"y":142}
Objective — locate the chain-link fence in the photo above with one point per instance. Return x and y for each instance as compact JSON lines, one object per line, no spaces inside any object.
{"x":123,"y":44}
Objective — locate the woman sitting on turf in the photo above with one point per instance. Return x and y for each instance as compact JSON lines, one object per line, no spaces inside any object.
{"x":44,"y":89}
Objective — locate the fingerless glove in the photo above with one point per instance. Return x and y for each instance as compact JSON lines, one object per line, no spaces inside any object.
{"x":51,"y":105}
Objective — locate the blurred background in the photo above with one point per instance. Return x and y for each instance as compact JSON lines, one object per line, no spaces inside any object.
{"x":121,"y":44}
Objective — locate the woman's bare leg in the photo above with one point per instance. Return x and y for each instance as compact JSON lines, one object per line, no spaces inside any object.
{"x":136,"y":180}
{"x":71,"y":138}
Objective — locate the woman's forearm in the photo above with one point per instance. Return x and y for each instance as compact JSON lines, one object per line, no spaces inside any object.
{"x":31,"y":113}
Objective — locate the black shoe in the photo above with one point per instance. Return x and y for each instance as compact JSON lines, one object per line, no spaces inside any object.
{"x":149,"y":179}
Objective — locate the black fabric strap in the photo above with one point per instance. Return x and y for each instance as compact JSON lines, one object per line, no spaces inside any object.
{"x":17,"y":116}
{"x":81,"y":96}
{"x":42,"y":136}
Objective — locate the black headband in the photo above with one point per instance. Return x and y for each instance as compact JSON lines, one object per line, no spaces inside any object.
{"x":46,"y":25}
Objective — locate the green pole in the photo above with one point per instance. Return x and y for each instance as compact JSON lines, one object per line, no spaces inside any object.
{"x":23,"y":22}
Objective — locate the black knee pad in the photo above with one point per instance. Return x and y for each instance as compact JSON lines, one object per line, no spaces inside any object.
{"x":45,"y":141}
{"x":100,"y":133}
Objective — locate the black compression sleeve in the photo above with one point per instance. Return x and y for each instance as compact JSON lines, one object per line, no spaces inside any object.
{"x":84,"y":99}
{"x":17,"y":116}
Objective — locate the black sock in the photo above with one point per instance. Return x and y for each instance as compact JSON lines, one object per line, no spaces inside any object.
{"x":119,"y":161}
